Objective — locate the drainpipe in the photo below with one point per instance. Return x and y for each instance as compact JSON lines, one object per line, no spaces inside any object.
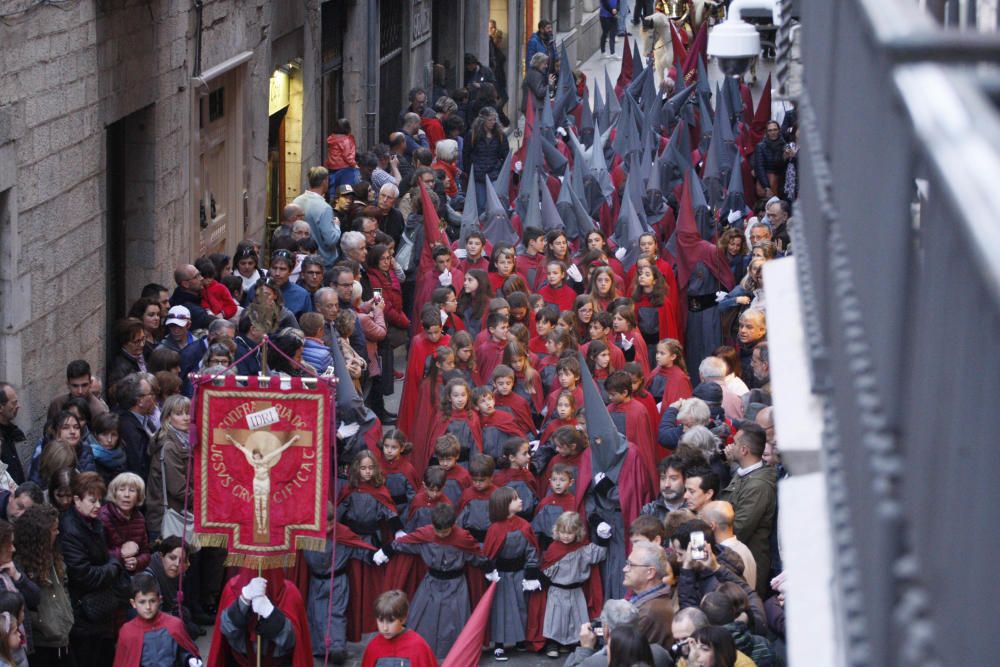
{"x":371,"y":99}
{"x":198,"y":7}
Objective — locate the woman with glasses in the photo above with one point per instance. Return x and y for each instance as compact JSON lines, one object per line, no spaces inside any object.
{"x":130,"y":336}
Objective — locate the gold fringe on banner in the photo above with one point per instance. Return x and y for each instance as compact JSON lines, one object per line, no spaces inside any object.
{"x":260,"y":562}
{"x":267,"y":562}
{"x":213,"y":540}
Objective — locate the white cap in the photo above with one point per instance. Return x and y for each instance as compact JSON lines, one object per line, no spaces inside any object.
{"x":179,"y":315}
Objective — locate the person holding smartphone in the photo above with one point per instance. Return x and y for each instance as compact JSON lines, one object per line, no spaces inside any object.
{"x":593,"y":652}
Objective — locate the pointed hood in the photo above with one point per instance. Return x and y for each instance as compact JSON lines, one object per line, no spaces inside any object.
{"x":555,"y":160}
{"x":638,"y":83}
{"x":566,"y":99}
{"x":705,"y":115}
{"x":612,"y":105}
{"x":671,"y":109}
{"x":702,"y":213}
{"x":762,"y":113}
{"x":607,"y":445}
{"x":496,"y":225}
{"x":550,"y":215}
{"x":704,"y":87}
{"x":546,"y":122}
{"x":470,"y":214}
{"x":735,"y":200}
{"x":680,"y":54}
{"x":598,"y":167}
{"x":502,"y":182}
{"x":599,"y":113}
{"x":697,"y":49}
{"x":532,"y":165}
{"x":432,"y":222}
{"x":532,"y":216}
{"x":576,"y":221}
{"x":627,"y":232}
{"x":638,"y":67}
{"x":625,"y":75}
{"x":690,"y":248}
{"x":627,"y":138}
{"x":586,"y":116}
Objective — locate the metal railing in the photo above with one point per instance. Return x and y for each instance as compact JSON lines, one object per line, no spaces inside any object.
{"x":902,"y":288}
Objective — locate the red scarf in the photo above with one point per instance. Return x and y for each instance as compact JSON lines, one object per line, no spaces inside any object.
{"x":557,"y":551}
{"x":348,"y":537}
{"x":470,"y":494}
{"x":379,"y":493}
{"x":459,"y":538}
{"x":128,"y":651}
{"x":421,"y":501}
{"x":508,"y":475}
{"x":498,"y":531}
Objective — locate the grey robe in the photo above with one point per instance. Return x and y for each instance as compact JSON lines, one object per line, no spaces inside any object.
{"x":318,"y":605}
{"x":566,"y":608}
{"x":509,"y":614}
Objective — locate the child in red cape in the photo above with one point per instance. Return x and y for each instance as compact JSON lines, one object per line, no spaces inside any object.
{"x":428,"y":404}
{"x":629,"y":338}
{"x":507,"y":399}
{"x":513,"y":471}
{"x":498,"y":425}
{"x":457,"y":417}
{"x":394,"y":639}
{"x":422,"y":346}
{"x":132,"y":636}
{"x":271,"y":606}
{"x":489,"y":354}
{"x":401,"y":478}
{"x":669,"y":381}
{"x":632,"y":419}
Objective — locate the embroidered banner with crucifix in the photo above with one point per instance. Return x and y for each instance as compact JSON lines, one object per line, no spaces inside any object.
{"x":262,"y":468}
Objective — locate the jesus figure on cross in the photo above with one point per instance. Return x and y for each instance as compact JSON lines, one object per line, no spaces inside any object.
{"x":261,"y":465}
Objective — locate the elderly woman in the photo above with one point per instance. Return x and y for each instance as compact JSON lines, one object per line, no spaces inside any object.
{"x":130,"y":339}
{"x":354,"y":246}
{"x":446,"y":152}
{"x":124,"y":524}
{"x":94,"y":576}
{"x":536,"y":83}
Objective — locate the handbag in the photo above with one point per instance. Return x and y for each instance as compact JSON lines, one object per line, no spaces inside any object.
{"x":99,"y":606}
{"x":173,"y":522}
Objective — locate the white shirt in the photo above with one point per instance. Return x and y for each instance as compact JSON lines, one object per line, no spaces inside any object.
{"x":749,"y":562}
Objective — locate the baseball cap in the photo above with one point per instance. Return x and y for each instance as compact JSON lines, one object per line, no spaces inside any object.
{"x":179,"y":315}
{"x":345,"y":189}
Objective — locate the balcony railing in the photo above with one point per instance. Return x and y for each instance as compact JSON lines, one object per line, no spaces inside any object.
{"x":900,"y":232}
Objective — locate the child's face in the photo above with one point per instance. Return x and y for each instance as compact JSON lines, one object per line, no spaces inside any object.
{"x":617,"y":397}
{"x":559,"y":484}
{"x":519,"y":314}
{"x":565,"y":449}
{"x":486,"y":404}
{"x":500,"y":331}
{"x":366,"y":470}
{"x":480,"y":483}
{"x":448,"y":462}
{"x":567,"y":380}
{"x":464,"y":354}
{"x":503,"y":385}
{"x":604,"y":359}
{"x":522,"y":458}
{"x":441,"y":534}
{"x":433,"y":492}
{"x":391,"y":449}
{"x":604,"y":283}
{"x":585,"y":312}
{"x":664,"y":357}
{"x":516,"y":505}
{"x":554,"y":275}
{"x":563,"y":408}
{"x":597,"y":331}
{"x":474,"y":248}
{"x":619,"y":324}
{"x":565,"y":538}
{"x":560,"y":246}
{"x":637,"y":382}
{"x":450,"y":304}
{"x":446,"y":363}
{"x":505,"y":265}
{"x":433,"y":333}
{"x":551,"y":347}
{"x":389,"y":629}
{"x":543,"y":327}
{"x":518,"y":363}
{"x":108,"y":440}
{"x":459,"y":397}
{"x":147,"y":605}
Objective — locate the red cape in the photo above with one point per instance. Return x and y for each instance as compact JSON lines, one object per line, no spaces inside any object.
{"x":678,"y":384}
{"x":401,"y":466}
{"x":286,"y":598}
{"x":503,"y":421}
{"x":505,"y":476}
{"x":420,"y":350}
{"x":617,"y":356}
{"x":592,"y":591}
{"x":562,"y":297}
{"x":379,"y":493}
{"x":640,"y":430}
{"x":470,"y":417}
{"x":427,"y":405}
{"x":470,"y":494}
{"x":459,"y":538}
{"x":408,"y":645}
{"x":532,"y":267}
{"x":421,"y":501}
{"x":128,"y":650}
{"x":639,"y":345}
{"x":553,"y":398}
{"x":668,"y":326}
{"x":468,"y":644}
{"x":497,"y":533}
{"x":489,"y":355}
{"x":584,"y":473}
{"x":553,"y":426}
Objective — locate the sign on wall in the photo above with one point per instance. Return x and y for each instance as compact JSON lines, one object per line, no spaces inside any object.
{"x":420,"y":13}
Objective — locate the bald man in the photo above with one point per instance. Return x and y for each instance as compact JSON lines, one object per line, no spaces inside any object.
{"x":719,"y":515}
{"x":289,"y":215}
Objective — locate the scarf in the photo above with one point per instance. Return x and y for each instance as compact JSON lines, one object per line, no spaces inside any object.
{"x":111,"y":459}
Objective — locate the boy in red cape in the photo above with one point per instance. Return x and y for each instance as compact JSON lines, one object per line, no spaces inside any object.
{"x":505,"y":399}
{"x":632,"y":419}
{"x":272,"y":608}
{"x":489,"y":353}
{"x":422,"y":347}
{"x":142,"y":634}
{"x":394,"y":640}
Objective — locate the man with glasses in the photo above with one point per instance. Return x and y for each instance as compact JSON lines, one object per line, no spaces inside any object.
{"x":323,"y":225}
{"x":644,"y":572}
{"x":311,"y":275}
{"x":135,"y":426}
{"x":188,"y":294}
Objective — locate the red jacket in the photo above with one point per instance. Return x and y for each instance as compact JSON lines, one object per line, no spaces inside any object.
{"x":340,"y":152}
{"x":216,"y":298}
{"x":118,"y":530}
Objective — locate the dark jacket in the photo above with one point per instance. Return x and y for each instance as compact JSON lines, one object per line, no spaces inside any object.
{"x":89,"y":568}
{"x":535,"y":45}
{"x":120,"y":366}
{"x":768,"y":158}
{"x":135,"y":440}
{"x":118,"y":530}
{"x":536,"y":85}
{"x":487,"y":155}
{"x":10,"y":435}
{"x":754,"y":497}
{"x":200,"y":318}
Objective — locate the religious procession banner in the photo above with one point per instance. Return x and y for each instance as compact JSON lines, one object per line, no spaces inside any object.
{"x":262,"y":467}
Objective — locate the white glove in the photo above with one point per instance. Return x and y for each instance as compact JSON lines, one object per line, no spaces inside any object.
{"x":627,"y":343}
{"x":262,"y":606}
{"x":533,"y":444}
{"x":734,"y":216}
{"x":720,"y":295}
{"x":255,"y":589}
{"x":400,"y":533}
{"x":598,"y":478}
{"x":379,"y":558}
{"x":561,"y":131}
{"x":574,"y":273}
{"x":518,"y":166}
{"x":195,"y":662}
{"x":531,"y":585}
{"x":445,"y":279}
{"x":493,"y":576}
{"x":461,"y":253}
{"x":620,"y":253}
{"x":603,"y":530}
{"x":347,"y":430}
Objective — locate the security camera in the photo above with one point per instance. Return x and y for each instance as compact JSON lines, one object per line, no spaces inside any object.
{"x":734,"y":42}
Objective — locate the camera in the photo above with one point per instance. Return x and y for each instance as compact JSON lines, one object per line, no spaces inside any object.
{"x":597,"y":627}
{"x":734,"y":42}
{"x":679,"y":649}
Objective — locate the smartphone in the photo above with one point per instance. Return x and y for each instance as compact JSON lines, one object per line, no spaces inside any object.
{"x":378,"y":293}
{"x":698,"y":551}
{"x":597,"y":627}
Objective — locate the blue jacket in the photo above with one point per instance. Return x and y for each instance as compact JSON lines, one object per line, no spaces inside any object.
{"x":606,"y":7}
{"x":537,"y":45}
{"x":315,"y":352}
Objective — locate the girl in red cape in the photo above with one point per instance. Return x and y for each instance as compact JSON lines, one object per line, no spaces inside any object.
{"x":629,"y":338}
{"x":498,"y":425}
{"x":527,"y":383}
{"x":428,"y":402}
{"x":654,"y":305}
{"x":564,"y":415}
{"x":229,"y":637}
{"x":422,"y":346}
{"x":644,"y":398}
{"x":512,"y":546}
{"x":572,"y":450}
{"x":366,"y":507}
{"x":514,"y":472}
{"x":458,"y":418}
{"x":401,"y":479}
{"x":465,"y":357}
{"x":669,"y":381}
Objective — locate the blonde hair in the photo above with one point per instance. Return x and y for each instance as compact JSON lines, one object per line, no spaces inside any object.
{"x":128,"y":479}
{"x":570,"y":523}
{"x":173,"y":405}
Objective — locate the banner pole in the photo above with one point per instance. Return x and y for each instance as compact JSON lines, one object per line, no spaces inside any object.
{"x":263,"y":358}
{"x":260,"y":573}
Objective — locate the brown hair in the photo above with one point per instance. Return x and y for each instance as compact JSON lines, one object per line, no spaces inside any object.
{"x":392,"y":606}
{"x":500,"y":502}
{"x":354,"y":476}
{"x":89,"y":484}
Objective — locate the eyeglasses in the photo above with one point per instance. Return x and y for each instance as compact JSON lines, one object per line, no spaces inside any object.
{"x":286,"y":254}
{"x":629,"y":564}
